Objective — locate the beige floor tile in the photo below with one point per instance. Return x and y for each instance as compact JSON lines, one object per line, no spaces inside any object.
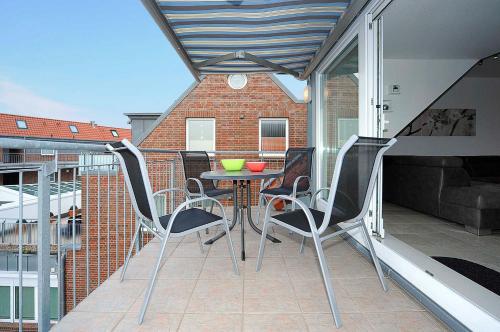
{"x":169,"y":296}
{"x":272,"y":268}
{"x":181,"y":268}
{"x":113,"y":296}
{"x":190,"y":249}
{"x":211,"y":322}
{"x":88,"y":321}
{"x":402,"y":321}
{"x":152,"y":322}
{"x":221,"y":268}
{"x":273,"y":322}
{"x":222,"y":296}
{"x":351,"y":322}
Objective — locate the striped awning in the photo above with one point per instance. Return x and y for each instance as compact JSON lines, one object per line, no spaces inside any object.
{"x":245,"y":36}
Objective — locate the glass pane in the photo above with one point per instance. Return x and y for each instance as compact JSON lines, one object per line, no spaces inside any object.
{"x":200,"y":135}
{"x":273,"y":135}
{"x":28,"y":303}
{"x":4,"y":302}
{"x":53,"y":303}
{"x":340,"y":100}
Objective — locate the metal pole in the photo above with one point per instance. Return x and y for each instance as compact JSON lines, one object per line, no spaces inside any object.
{"x":107,"y":219}
{"x":73,"y":237}
{"x":59,"y":262}
{"x":98,"y":225}
{"x":87,"y":271}
{"x":43,"y":245}
{"x":20,"y":252}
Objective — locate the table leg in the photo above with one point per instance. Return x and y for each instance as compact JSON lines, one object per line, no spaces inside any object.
{"x":249,"y":215}
{"x":242,"y":219}
{"x":235,"y":215}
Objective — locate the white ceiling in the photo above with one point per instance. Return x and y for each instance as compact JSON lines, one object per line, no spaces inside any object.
{"x":441,"y":29}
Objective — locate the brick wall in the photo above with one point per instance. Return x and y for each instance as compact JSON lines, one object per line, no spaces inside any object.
{"x":236,"y":114}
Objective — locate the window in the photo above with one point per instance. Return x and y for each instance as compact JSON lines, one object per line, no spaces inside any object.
{"x":200,"y":134}
{"x":114,"y":133}
{"x":339,"y":117}
{"x":28,"y":303}
{"x":44,"y":152}
{"x":273,"y":135}
{"x":54,"y":301}
{"x":73,"y":129}
{"x":21,"y":124}
{"x":4,"y":302}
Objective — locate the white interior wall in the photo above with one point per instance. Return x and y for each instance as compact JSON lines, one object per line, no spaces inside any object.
{"x":480,"y":93}
{"x":421,"y":81}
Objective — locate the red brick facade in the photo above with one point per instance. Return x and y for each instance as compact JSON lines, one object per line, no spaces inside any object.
{"x":236,"y":114}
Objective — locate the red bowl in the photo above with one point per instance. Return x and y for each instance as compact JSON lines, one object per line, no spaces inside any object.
{"x":256,"y":166}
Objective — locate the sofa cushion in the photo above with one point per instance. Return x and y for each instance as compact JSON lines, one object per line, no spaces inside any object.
{"x":479,"y":196}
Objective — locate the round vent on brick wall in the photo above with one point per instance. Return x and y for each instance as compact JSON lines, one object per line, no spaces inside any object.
{"x":237,"y":81}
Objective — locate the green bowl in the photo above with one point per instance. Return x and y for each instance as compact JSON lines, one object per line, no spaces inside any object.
{"x":233,"y":164}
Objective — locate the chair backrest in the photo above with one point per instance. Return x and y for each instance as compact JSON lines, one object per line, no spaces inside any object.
{"x":356,"y":169}
{"x":298,"y":162}
{"x":136,"y":177}
{"x":195,"y":163}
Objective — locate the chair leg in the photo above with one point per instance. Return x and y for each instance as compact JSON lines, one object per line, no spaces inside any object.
{"x":302,"y":245}
{"x":327,"y":281}
{"x":200,"y":242}
{"x":375,"y":260}
{"x":262,"y":245}
{"x":259,"y":207}
{"x":153,"y":280}
{"x":231,"y":247}
{"x":130,"y":249}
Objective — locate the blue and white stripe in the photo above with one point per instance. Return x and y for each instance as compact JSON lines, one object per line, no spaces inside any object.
{"x":285,"y":32}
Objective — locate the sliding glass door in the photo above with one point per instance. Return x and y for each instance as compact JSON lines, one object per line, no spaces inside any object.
{"x":340,"y":107}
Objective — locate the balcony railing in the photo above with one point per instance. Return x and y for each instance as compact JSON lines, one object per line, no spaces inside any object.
{"x":79,"y":215}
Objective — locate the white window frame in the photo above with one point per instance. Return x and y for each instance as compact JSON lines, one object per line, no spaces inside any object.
{"x":203,"y":119}
{"x":113,"y":132}
{"x":286,"y":135}
{"x":47,"y":152}
{"x":77,"y":131}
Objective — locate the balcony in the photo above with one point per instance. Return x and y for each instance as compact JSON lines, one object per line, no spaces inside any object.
{"x":90,"y":231}
{"x":198,"y":291}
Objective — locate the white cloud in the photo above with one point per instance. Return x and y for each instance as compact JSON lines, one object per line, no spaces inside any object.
{"x":16,"y":99}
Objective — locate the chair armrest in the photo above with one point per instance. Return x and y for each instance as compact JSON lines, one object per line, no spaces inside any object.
{"x":294,"y":200}
{"x":296,"y":183}
{"x":170,"y":190}
{"x":313,"y":197}
{"x":198,"y":182}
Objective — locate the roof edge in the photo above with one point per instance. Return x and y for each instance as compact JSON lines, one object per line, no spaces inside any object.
{"x":167,"y":111}
{"x":285,"y":89}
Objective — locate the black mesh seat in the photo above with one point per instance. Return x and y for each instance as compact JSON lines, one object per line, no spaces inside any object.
{"x":298,"y":218}
{"x":277,"y":191}
{"x":218,"y":192}
{"x":189,"y":219}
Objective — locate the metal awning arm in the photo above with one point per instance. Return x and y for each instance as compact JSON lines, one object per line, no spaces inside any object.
{"x":242,"y":55}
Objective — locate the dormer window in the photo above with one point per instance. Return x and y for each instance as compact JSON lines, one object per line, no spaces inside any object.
{"x":73,"y":129}
{"x":114,"y":133}
{"x":21,"y":124}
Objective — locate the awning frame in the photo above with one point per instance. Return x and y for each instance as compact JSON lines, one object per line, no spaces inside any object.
{"x":342,"y":25}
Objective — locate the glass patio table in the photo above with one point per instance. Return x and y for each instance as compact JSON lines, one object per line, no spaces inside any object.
{"x":242,"y":183}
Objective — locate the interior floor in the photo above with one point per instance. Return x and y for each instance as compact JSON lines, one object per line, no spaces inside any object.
{"x":438,"y":237}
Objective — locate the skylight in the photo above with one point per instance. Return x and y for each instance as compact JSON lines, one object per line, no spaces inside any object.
{"x":21,"y":124}
{"x":73,"y":129}
{"x":114,"y":133}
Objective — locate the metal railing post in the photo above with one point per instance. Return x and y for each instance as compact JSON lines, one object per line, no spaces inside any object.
{"x":20,"y":252}
{"x":43,"y":245}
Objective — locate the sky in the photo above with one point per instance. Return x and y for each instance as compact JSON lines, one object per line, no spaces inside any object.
{"x":89,"y":60}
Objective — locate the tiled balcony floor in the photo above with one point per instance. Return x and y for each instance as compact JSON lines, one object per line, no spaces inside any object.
{"x":199,"y":292}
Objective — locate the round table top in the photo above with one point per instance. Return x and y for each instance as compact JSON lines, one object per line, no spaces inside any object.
{"x":241,"y":175}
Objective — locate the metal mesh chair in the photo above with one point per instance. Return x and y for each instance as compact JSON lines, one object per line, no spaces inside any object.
{"x":195,"y":163}
{"x":356,"y":169}
{"x":184,"y":220}
{"x":296,"y":180}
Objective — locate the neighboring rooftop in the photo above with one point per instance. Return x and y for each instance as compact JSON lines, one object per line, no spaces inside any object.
{"x":43,"y":128}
